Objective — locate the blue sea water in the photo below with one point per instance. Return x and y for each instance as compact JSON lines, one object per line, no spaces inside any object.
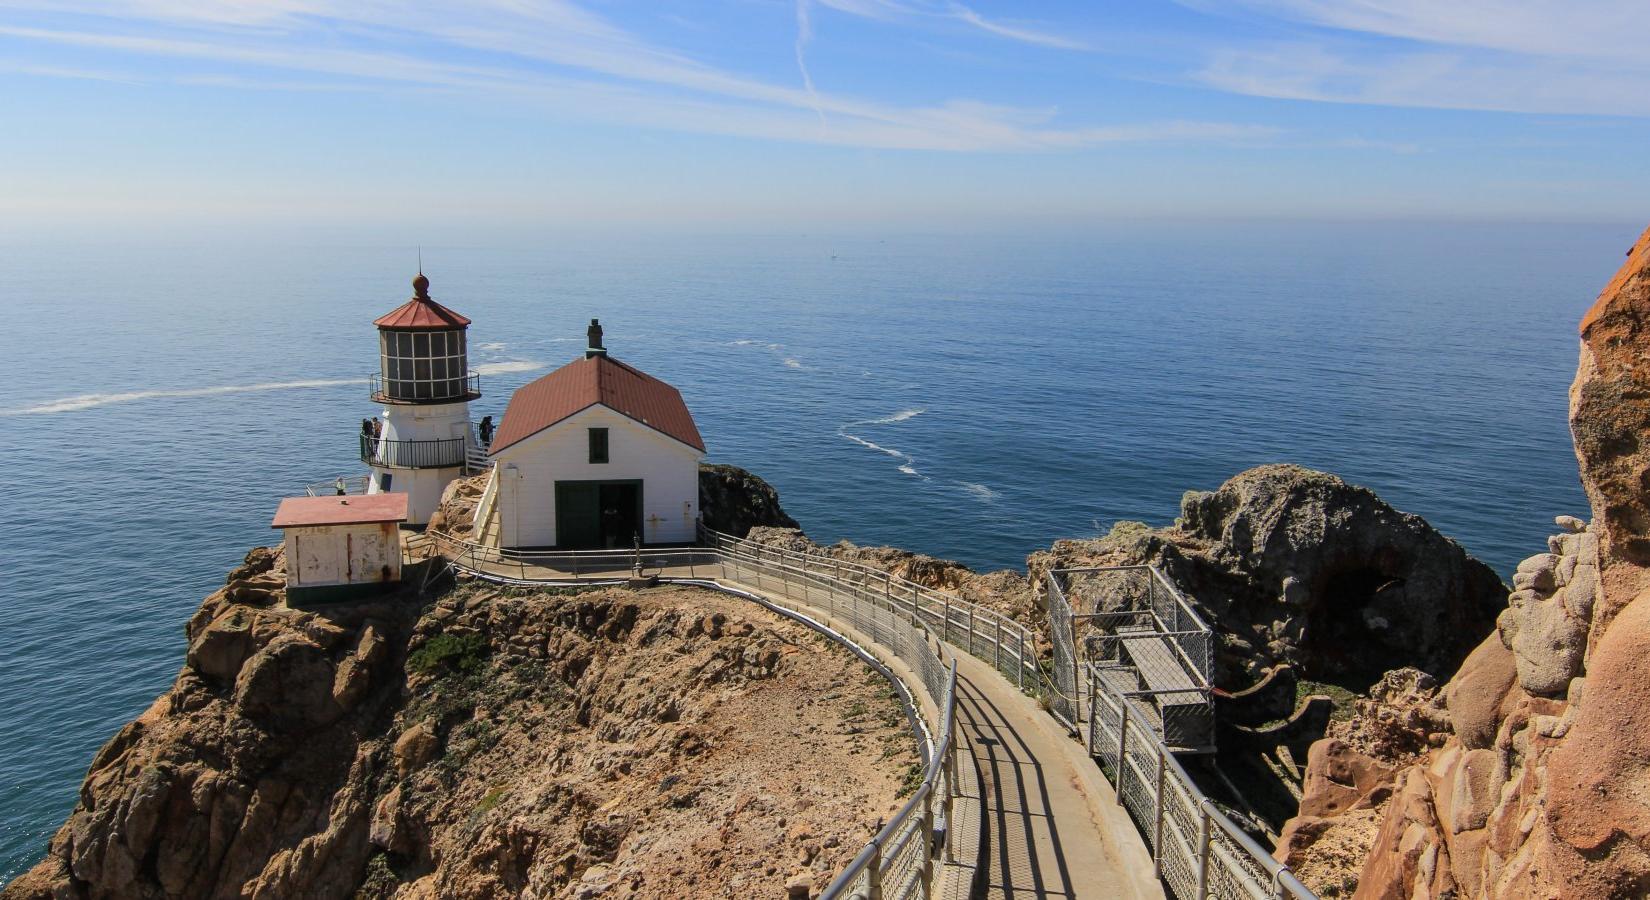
{"x":972,"y":397}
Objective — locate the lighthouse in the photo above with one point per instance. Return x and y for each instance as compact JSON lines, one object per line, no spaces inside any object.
{"x":422,"y":438}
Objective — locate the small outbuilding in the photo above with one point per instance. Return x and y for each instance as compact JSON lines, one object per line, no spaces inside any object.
{"x":342,"y":547}
{"x":595,"y":455}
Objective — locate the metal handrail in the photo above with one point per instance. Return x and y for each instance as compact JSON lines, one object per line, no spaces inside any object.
{"x":436,"y":454}
{"x":877,"y":868}
{"x":1219,"y":860}
{"x":1191,"y":866}
{"x":354,"y":484}
{"x":470,"y":388}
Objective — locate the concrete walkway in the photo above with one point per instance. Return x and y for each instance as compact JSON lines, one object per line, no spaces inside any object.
{"x":1053,"y":827}
{"x":1045,"y":820}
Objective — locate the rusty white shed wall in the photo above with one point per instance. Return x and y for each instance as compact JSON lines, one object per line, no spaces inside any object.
{"x":324,"y":555}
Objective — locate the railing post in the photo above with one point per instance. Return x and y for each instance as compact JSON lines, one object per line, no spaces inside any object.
{"x":1203,"y":854}
{"x":1157,"y":826}
{"x":1020,"y":672}
{"x":945,"y":627}
{"x":927,"y":845}
{"x":970,"y":630}
{"x":873,"y":875}
{"x":1122,"y":748}
{"x":997,"y":647}
{"x":916,"y":605}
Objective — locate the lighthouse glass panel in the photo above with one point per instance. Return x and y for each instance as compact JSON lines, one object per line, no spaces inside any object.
{"x":423,"y":365}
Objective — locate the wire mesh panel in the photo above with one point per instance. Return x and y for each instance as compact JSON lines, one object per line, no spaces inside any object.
{"x":1063,"y":700}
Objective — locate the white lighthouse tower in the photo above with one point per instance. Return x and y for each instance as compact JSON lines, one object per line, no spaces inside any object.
{"x":425,"y":385}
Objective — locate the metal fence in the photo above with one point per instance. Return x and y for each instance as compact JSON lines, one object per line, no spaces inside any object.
{"x":354,"y":484}
{"x":898,"y":863}
{"x":413,"y":454}
{"x":1196,"y":850}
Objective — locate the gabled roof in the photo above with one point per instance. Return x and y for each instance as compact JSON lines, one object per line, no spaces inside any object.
{"x":420,"y":312}
{"x":587,"y":382}
{"x":355,"y":509}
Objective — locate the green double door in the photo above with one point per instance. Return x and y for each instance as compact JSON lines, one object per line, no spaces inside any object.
{"x":598,"y":515}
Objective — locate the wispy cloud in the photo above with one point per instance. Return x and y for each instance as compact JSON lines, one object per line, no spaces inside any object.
{"x":559,"y":56}
{"x":1027,"y":35}
{"x":907,"y":10}
{"x":1535,"y":57}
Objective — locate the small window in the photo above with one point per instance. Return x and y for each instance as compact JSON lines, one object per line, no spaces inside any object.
{"x":384,"y":482}
{"x":598,"y":446}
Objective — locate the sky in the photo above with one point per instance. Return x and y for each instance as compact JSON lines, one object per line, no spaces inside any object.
{"x":818,"y":113}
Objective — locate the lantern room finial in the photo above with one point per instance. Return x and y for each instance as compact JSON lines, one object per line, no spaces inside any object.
{"x":421,"y":287}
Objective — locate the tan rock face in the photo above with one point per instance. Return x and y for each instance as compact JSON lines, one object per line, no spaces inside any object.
{"x":1544,"y":788}
{"x":484,"y":745}
{"x":1610,"y":421}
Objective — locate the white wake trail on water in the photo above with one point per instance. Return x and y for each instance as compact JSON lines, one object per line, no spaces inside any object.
{"x":508,"y":366}
{"x":908,"y":463}
{"x":90,"y":401}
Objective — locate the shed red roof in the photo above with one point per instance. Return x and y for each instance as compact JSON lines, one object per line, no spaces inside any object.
{"x":420,"y":312}
{"x":355,"y":509}
{"x":586,"y":382}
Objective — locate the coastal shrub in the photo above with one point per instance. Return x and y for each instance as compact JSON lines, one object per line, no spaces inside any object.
{"x":464,"y":653}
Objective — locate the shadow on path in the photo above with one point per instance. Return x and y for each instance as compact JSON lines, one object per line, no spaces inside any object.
{"x":1026,"y":857}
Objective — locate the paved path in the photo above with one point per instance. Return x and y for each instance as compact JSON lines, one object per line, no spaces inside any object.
{"x":1053,"y":825}
{"x":1046,"y":821}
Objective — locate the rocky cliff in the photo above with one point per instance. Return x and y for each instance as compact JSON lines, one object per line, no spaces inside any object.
{"x":1539,"y":783}
{"x":487,"y":743}
{"x":1294,"y":566}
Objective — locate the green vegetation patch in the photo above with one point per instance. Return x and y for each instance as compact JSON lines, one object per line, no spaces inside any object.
{"x":1343,"y":698}
{"x":466,"y":653}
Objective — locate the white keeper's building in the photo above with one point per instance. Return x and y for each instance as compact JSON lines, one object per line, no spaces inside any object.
{"x":595,"y":455}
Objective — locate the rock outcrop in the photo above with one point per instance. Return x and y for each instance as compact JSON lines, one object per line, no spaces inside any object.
{"x":1294,"y":566}
{"x":489,"y":744}
{"x":733,"y":501}
{"x":1540,"y":785}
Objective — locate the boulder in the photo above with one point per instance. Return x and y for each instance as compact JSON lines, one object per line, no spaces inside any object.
{"x":1474,"y":696}
{"x":733,"y":501}
{"x":1295,"y":566}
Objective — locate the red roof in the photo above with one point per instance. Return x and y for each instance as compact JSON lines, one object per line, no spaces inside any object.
{"x":586,"y":382}
{"x":420,"y":312}
{"x":355,"y":509}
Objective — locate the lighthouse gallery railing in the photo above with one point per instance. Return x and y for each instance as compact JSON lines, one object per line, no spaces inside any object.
{"x":413,"y":454}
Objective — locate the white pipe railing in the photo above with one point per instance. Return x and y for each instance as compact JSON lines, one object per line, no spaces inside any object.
{"x":1197,"y":851}
{"x":898,"y":863}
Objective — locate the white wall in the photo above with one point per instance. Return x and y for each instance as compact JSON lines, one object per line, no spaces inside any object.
{"x":324,"y":555}
{"x":528,"y":471}
{"x":423,"y":488}
{"x":416,"y":422}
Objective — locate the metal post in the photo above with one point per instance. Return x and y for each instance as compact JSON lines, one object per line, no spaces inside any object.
{"x":916,"y":604}
{"x":1122,"y":747}
{"x":997,"y":647}
{"x":1020,"y":673}
{"x":971,"y":630}
{"x":1203,"y":855}
{"x":873,"y":875}
{"x":927,"y":845}
{"x":1157,"y":827}
{"x":945,"y":627}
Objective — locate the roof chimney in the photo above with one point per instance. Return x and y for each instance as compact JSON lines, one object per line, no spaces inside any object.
{"x":593,"y":336}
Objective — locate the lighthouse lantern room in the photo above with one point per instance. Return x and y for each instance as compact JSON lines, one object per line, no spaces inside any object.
{"x":422,"y":439}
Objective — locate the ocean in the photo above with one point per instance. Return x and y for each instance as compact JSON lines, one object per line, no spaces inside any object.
{"x":973,"y":397}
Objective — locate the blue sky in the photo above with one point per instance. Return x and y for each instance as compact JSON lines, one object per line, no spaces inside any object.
{"x":816,"y":113}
